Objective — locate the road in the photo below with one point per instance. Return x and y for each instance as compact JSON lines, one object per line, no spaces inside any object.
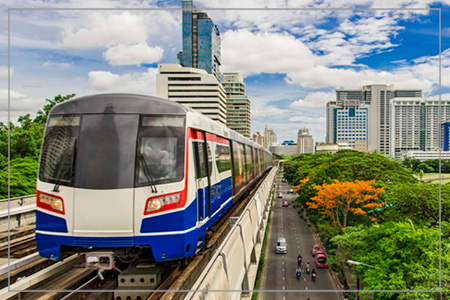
{"x":280,"y":268}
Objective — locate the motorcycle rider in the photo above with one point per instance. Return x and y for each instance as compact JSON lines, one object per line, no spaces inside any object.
{"x":298,"y":272}
{"x":313,"y":274}
{"x":299,"y":260}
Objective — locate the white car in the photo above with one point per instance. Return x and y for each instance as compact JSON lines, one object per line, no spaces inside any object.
{"x":280,"y":195}
{"x":281,"y":246}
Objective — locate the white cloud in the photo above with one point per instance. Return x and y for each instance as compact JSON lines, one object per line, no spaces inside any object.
{"x":267,"y":111}
{"x":50,"y":64}
{"x":314,"y":100}
{"x":309,"y":120}
{"x":104,"y":30}
{"x":138,"y":83}
{"x":133,"y":54}
{"x":264,"y":52}
{"x":4,"y":72}
{"x":20,"y":104}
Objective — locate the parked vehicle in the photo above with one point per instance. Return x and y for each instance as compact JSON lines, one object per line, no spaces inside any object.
{"x":281,"y":246}
{"x":321,"y":259}
{"x":315,"y":248}
{"x":280,"y":195}
{"x":285,"y":204}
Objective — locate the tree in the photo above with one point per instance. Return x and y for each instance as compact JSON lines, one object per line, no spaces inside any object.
{"x":338,"y":199}
{"x":403,"y":256}
{"x":42,"y":114}
{"x":417,"y":202}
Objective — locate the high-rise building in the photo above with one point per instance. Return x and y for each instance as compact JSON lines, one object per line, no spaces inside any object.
{"x":305,"y":142}
{"x":330,"y":136}
{"x":376,"y":98}
{"x":445,"y":136}
{"x":194,"y":88}
{"x":416,"y":124}
{"x":238,"y":103}
{"x":269,"y":137}
{"x":258,"y":138}
{"x":201,"y":41}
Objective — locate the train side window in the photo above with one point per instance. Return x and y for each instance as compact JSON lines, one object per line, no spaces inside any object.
{"x":248,"y":159}
{"x":200,"y":167}
{"x":237,"y":166}
{"x":210,"y":158}
{"x":223,"y":156}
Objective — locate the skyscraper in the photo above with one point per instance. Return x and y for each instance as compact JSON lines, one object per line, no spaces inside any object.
{"x":376,"y":98}
{"x":201,"y":41}
{"x":238,"y":103}
{"x":415,"y":124}
{"x":305,"y":142}
{"x":194,"y":88}
{"x":269,"y":137}
{"x":258,"y":138}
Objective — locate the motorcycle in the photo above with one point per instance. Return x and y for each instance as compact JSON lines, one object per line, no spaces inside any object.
{"x":299,"y":274}
{"x":313,"y":276}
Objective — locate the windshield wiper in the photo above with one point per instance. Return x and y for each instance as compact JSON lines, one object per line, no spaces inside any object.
{"x":147,"y":173}
{"x":72,"y":174}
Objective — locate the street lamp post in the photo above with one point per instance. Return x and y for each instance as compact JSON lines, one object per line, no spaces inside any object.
{"x":357,"y":263}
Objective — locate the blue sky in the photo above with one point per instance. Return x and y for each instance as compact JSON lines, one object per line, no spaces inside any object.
{"x":292,"y":60}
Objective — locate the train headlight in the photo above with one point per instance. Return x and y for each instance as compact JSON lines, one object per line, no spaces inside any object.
{"x":162,"y":202}
{"x":50,"y":202}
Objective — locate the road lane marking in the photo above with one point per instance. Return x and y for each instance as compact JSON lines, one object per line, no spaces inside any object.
{"x":282,"y":262}
{"x":284,"y":287}
{"x":284,"y":278}
{"x":306,"y":288}
{"x":304,"y":278}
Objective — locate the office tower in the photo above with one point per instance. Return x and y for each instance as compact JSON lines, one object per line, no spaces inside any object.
{"x":258,"y":138}
{"x":305,"y":142}
{"x":445,"y":136}
{"x":194,"y":88}
{"x":329,"y":137}
{"x":269,"y":137}
{"x":376,"y":98}
{"x":238,"y":103}
{"x":415,"y":124}
{"x":201,"y":41}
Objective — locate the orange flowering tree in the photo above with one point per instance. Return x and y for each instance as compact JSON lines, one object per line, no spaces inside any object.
{"x":338,"y":199}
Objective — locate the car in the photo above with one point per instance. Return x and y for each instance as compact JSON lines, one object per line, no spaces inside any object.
{"x":280,"y":195}
{"x":281,"y":246}
{"x":285,"y":204}
{"x":291,"y":191}
{"x":314,"y":249}
{"x":321,"y":260}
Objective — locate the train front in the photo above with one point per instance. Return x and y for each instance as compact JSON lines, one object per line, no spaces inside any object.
{"x":112,"y":177}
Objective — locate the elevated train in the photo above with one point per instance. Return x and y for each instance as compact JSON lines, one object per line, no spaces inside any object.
{"x":137,"y":175}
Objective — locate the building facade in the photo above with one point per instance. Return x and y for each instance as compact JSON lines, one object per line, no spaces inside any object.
{"x":201,"y":41}
{"x":238,"y":103}
{"x":258,"y":138}
{"x":270,"y":137}
{"x":374,"y":102}
{"x":445,"y":136}
{"x":194,"y":88}
{"x":415,"y":124}
{"x":426,"y":155}
{"x":305,"y":142}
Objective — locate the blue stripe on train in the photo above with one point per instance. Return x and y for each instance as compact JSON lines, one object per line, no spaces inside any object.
{"x":47,"y":222}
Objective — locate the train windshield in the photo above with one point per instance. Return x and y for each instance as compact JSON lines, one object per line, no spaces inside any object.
{"x":161,"y":146}
{"x":59,"y":150}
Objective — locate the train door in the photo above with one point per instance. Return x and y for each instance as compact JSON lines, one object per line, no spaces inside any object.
{"x":202,"y":179}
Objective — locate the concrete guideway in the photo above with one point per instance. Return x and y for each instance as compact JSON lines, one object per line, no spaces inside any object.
{"x":279,"y":272}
